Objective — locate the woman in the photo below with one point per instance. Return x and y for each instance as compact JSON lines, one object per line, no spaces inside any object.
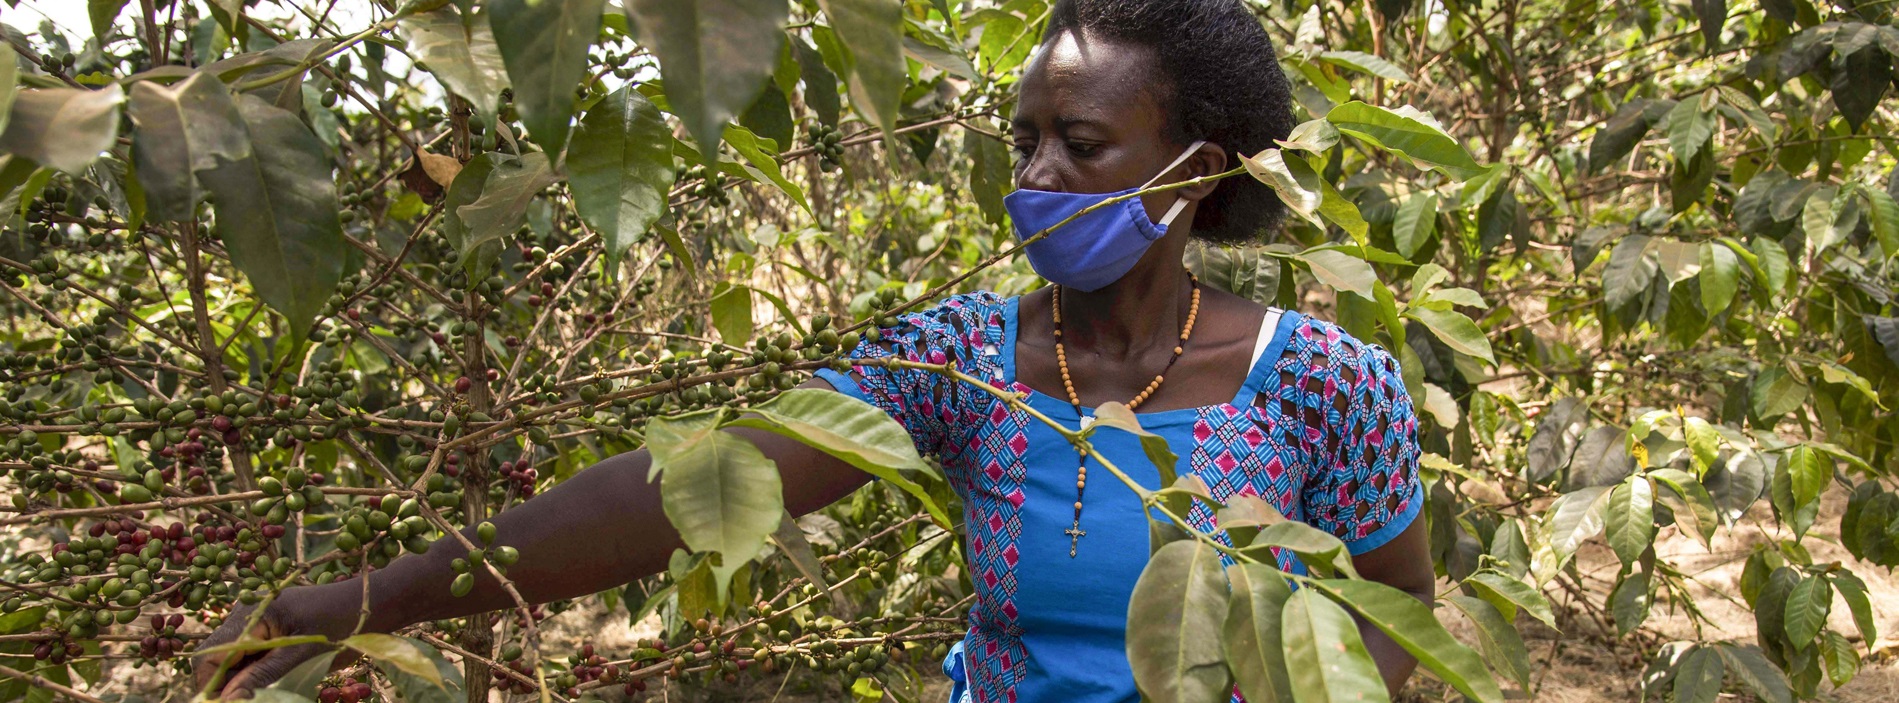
{"x":1256,"y":401}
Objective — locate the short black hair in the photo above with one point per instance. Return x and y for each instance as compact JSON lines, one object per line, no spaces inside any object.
{"x":1224,"y":85}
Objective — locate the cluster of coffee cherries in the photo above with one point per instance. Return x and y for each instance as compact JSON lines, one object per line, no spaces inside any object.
{"x":164,"y":640}
{"x":824,"y":140}
{"x":711,"y":185}
{"x":346,"y":690}
{"x":57,"y":649}
{"x":388,"y":526}
{"x":587,"y":666}
{"x":294,"y":493}
{"x":512,"y":661}
{"x":464,"y":566}
{"x":522,"y":475}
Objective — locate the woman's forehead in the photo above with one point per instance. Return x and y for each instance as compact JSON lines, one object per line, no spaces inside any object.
{"x":1078,"y":77}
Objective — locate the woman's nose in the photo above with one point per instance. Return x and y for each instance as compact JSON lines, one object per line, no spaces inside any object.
{"x":1039,"y":171}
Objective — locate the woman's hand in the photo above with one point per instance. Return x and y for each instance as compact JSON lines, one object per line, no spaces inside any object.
{"x":296,"y":612}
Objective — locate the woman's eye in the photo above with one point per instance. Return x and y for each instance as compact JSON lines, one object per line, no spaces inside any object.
{"x":1083,"y":149}
{"x":1024,"y":150}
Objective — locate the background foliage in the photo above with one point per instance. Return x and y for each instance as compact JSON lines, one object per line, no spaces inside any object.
{"x":291,"y":290}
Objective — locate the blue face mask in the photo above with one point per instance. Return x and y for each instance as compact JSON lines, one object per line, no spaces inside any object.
{"x":1097,"y":248}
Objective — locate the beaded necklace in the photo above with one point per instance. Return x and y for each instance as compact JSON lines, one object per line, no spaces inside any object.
{"x":1074,"y":532}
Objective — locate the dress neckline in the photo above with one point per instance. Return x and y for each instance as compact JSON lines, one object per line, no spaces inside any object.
{"x":1282,"y":324}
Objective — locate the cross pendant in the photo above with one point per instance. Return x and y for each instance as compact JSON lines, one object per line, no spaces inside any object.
{"x":1075,"y":533}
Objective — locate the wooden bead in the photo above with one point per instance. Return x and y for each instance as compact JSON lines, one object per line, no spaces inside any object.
{"x":1078,"y":505}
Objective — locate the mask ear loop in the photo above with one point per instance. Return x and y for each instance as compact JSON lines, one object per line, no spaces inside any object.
{"x":1179,"y":202}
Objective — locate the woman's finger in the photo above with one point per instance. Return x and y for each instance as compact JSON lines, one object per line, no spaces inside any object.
{"x":266,"y":670}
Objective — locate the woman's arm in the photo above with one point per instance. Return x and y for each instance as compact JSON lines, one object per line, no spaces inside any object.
{"x":601,"y":528}
{"x":1403,"y":563}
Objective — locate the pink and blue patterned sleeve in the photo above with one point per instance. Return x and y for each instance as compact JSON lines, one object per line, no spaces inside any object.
{"x":1363,"y":448}
{"x":926,"y":404}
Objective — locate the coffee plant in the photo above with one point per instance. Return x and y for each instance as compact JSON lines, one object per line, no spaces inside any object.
{"x":296,"y":287}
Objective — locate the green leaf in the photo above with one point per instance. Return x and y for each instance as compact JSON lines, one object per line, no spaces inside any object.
{"x":1339,"y":270}
{"x":1774,"y":263}
{"x":103,"y":13}
{"x":1821,"y":224}
{"x":721,"y":493}
{"x":1366,"y":63}
{"x":1841,"y":661}
{"x":1400,"y":133}
{"x":1752,"y":668}
{"x":1630,"y":518}
{"x":1455,"y":330}
{"x":1509,"y":594}
{"x":1502,"y":646}
{"x":851,"y":430}
{"x":1251,"y":633}
{"x":1320,"y":551}
{"x":1629,"y":601}
{"x":990,"y":174}
{"x":461,"y":52}
{"x":1776,"y":392}
{"x":1324,"y":654}
{"x":400,"y":652}
{"x":63,"y":128}
{"x":1409,"y":622}
{"x":1807,"y":609}
{"x":1179,"y":599}
{"x":1311,"y":136}
{"x":178,"y":131}
{"x":1699,"y":678}
{"x":502,"y":207}
{"x":791,"y":540}
{"x":714,"y":55}
{"x":1575,"y":518}
{"x":761,"y":157}
{"x":1619,"y":136}
{"x":732,"y":313}
{"x":1339,"y":210}
{"x":277,"y":213}
{"x":1695,"y":513}
{"x":1810,"y":473}
{"x":1884,"y":218}
{"x":543,"y":45}
{"x":1690,"y":125}
{"x":307,"y":678}
{"x":1720,"y":276}
{"x":620,"y":168}
{"x":820,"y":84}
{"x":9,"y":85}
{"x":1416,"y":223}
{"x":1704,"y":443}
{"x":1630,"y":270}
{"x":1295,"y":182}
{"x":1860,"y":81}
{"x":872,"y":30}
{"x":1118,"y":416}
{"x":1853,"y":591}
{"x":465,"y":190}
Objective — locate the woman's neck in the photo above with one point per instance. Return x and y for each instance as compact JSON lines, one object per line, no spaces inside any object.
{"x":1129,"y":317}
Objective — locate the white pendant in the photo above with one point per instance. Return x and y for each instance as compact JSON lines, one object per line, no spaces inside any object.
{"x":1086,"y":421}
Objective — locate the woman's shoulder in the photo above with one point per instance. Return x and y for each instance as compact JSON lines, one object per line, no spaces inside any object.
{"x":961,"y":310}
{"x":1319,"y":348}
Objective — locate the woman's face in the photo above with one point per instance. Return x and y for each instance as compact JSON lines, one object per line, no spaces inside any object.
{"x":1087,"y":119}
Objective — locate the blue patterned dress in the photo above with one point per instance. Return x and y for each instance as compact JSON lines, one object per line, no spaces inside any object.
{"x":1322,"y":429}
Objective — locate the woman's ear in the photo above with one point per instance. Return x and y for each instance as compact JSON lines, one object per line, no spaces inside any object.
{"x":1208,"y":160}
